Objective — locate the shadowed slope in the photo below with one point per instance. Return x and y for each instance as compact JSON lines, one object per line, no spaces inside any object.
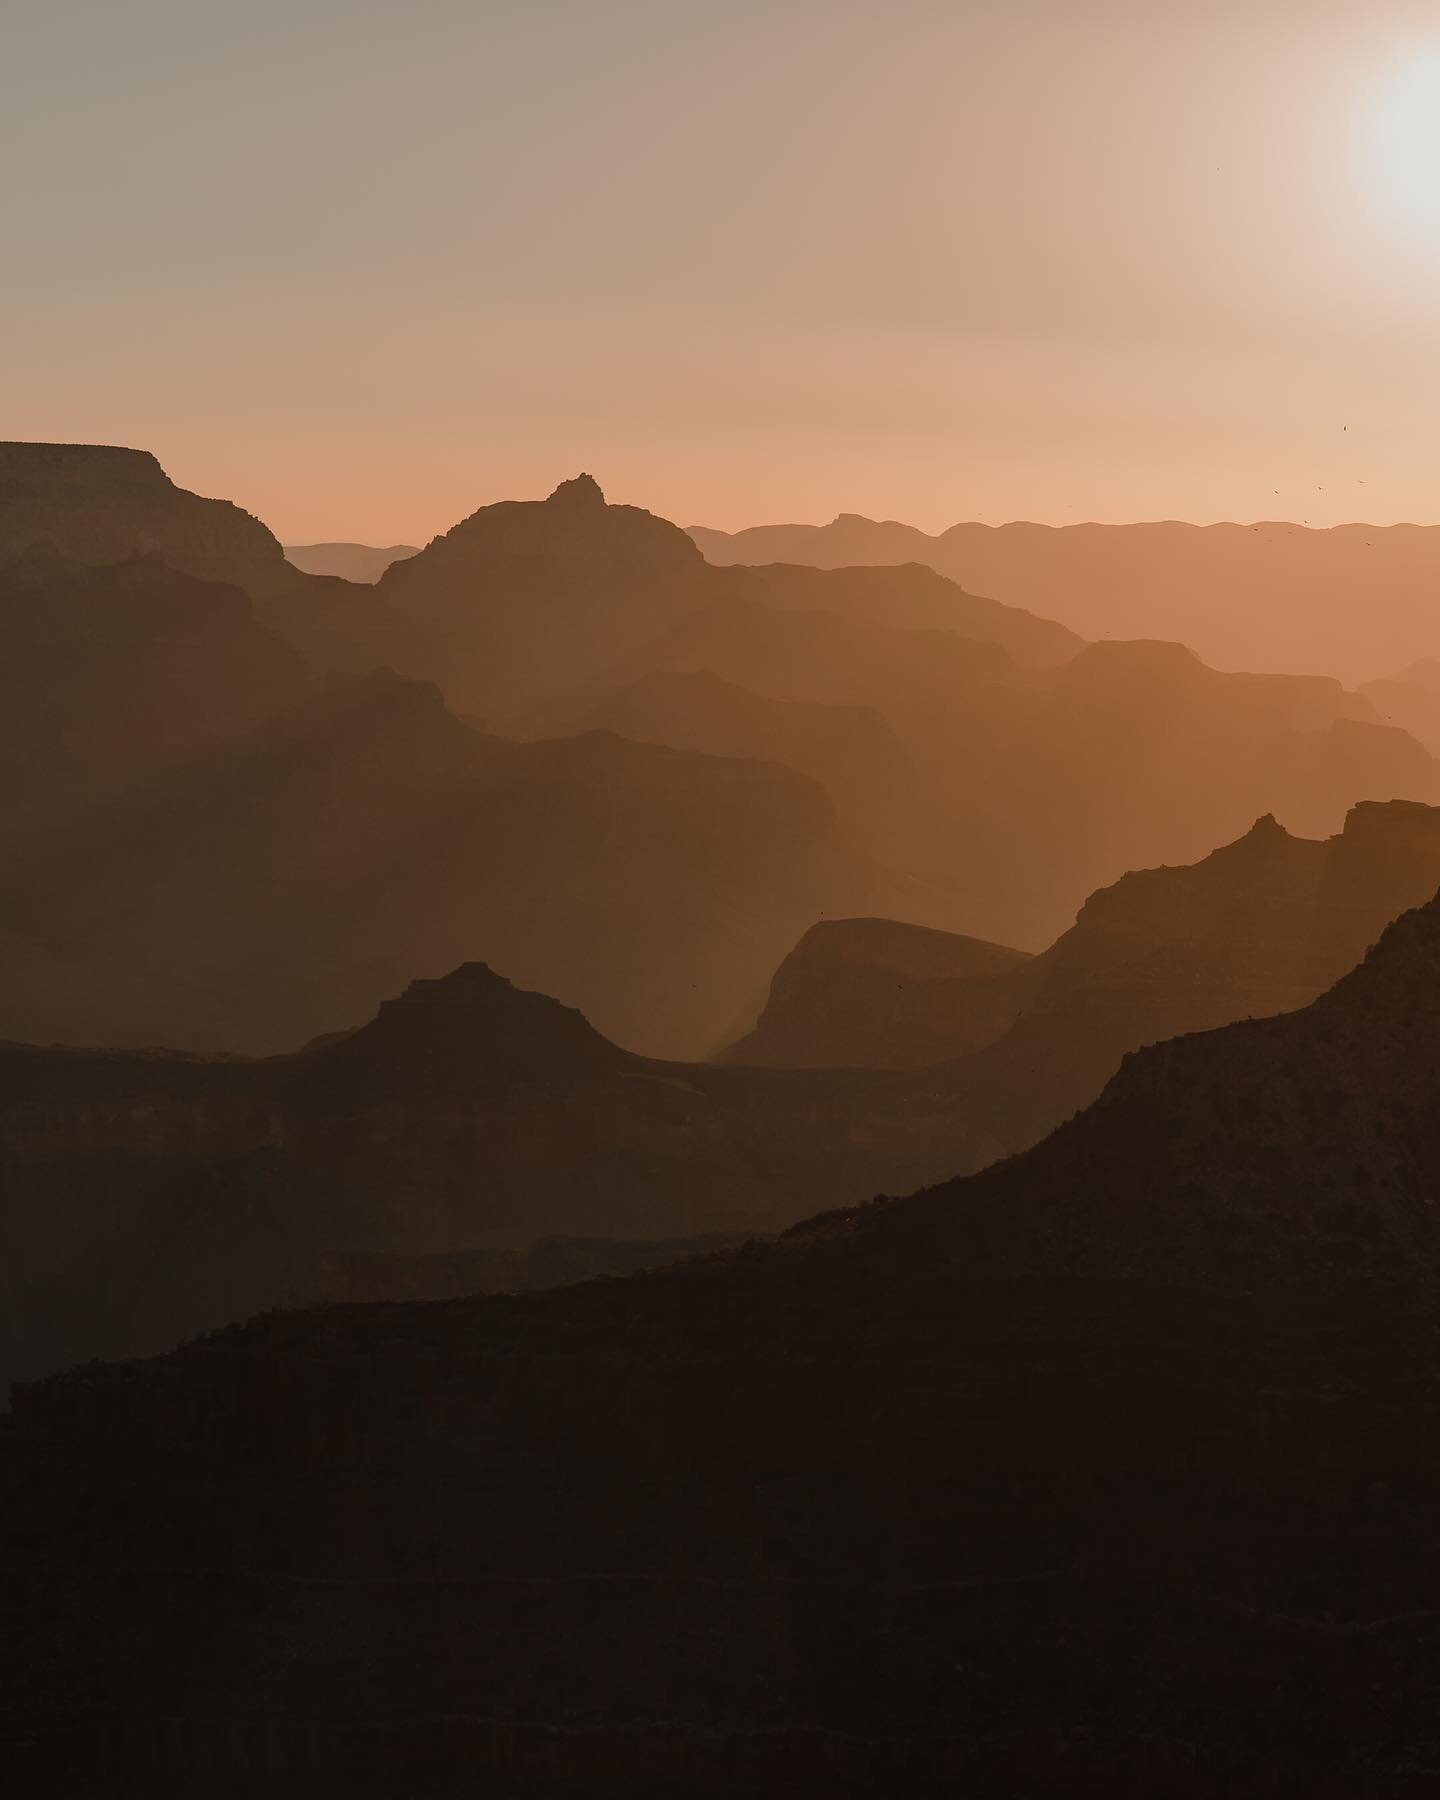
{"x":148,"y":1195}
{"x":1026,"y":1484}
{"x":109,"y":674}
{"x":871,"y":993}
{"x":1259,"y":927}
{"x":281,"y":887}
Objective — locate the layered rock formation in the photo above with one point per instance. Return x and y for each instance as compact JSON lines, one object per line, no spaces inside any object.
{"x":1028,"y":1484}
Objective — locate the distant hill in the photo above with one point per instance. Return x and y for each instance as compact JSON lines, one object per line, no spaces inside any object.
{"x":278,"y":886}
{"x":1036,"y":768}
{"x":148,"y":1195}
{"x":876,"y":994}
{"x":526,"y":602}
{"x":351,"y":562}
{"x":99,"y":504}
{"x":1260,"y":927}
{"x":1027,"y":1484}
{"x":1410,"y":701}
{"x":109,"y":675}
{"x":432,"y":1146}
{"x":1350,"y":601}
{"x":1033,"y":787}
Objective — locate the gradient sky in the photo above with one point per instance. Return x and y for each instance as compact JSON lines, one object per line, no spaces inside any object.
{"x":365,"y":266}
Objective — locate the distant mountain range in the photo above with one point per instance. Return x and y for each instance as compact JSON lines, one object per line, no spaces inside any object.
{"x":1111,"y":1470}
{"x":600,"y":764}
{"x":1261,"y":926}
{"x":351,"y":562}
{"x":147,"y":1195}
{"x":1353,"y":601}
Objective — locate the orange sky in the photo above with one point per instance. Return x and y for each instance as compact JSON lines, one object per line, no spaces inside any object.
{"x":364,"y":267}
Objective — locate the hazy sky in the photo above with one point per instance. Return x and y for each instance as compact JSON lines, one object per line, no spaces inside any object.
{"x":364,"y":266}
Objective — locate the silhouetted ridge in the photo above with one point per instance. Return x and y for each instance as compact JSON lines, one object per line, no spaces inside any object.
{"x":581,"y":490}
{"x":83,"y":464}
{"x":574,"y":522}
{"x":1368,"y":591}
{"x":351,"y":562}
{"x":472,"y":1025}
{"x":1025,"y":1485}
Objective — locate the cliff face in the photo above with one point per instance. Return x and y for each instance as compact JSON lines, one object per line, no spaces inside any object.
{"x":104,"y":505}
{"x":1029,"y":1483}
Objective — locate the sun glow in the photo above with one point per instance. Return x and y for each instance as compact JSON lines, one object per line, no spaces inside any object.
{"x":1408,"y":144}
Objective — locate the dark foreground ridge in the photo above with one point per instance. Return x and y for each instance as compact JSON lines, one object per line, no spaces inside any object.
{"x":1110,"y":1471}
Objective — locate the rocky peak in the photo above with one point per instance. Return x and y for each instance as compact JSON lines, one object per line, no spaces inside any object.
{"x":582,"y":490}
{"x":445,"y":1032}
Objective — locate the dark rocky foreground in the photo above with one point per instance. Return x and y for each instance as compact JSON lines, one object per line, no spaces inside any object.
{"x":1110,"y":1471}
